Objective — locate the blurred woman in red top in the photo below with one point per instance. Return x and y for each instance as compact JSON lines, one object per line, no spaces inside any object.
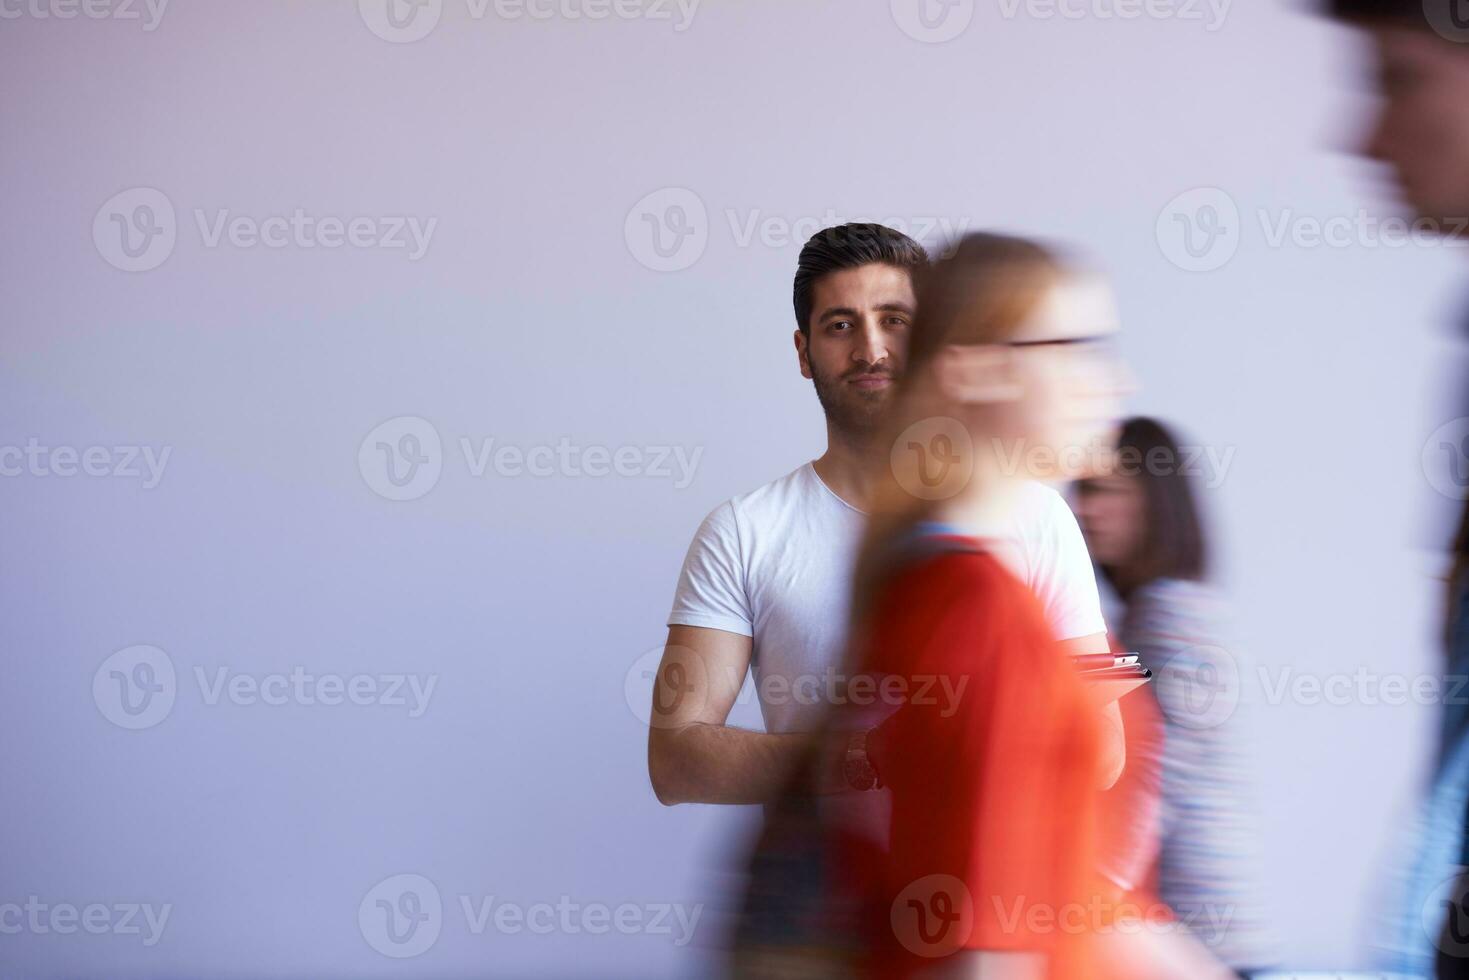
{"x":988,"y":854}
{"x":990,"y":861}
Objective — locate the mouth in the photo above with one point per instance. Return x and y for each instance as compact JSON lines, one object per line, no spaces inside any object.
{"x":872,"y":382}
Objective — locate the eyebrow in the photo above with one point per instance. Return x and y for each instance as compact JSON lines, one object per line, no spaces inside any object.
{"x":851,"y":313}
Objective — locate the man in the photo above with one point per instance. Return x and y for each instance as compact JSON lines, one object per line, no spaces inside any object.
{"x":767,"y":576}
{"x":1421,"y":132}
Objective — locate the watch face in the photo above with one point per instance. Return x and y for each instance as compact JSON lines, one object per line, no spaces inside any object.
{"x":860,"y":774}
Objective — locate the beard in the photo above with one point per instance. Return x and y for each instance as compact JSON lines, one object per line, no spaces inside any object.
{"x":853,"y":414}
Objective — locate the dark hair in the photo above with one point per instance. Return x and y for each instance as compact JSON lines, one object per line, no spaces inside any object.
{"x":848,"y":247}
{"x":1173,"y":534}
{"x":1387,"y":10}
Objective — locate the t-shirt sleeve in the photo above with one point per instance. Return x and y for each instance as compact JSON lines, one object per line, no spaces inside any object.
{"x":1062,"y":576}
{"x":711,"y":587}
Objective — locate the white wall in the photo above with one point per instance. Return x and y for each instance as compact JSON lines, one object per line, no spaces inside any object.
{"x":529,"y":319}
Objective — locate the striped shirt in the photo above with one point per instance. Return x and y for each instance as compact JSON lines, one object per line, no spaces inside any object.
{"x":1209,"y":861}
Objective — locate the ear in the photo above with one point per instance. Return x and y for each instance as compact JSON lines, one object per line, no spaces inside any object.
{"x":803,"y":353}
{"x":977,"y":374}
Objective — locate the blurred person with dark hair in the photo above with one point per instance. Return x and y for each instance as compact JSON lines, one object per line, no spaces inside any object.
{"x":990,"y":861}
{"x":1421,"y":131}
{"x":765,"y":586}
{"x":1144,"y":530}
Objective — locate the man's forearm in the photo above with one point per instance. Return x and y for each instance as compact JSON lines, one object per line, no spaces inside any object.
{"x":701,"y":763}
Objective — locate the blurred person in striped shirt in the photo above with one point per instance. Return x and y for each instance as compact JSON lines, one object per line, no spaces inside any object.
{"x":1143,"y":528}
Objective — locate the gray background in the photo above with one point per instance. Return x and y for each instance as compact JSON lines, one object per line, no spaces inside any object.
{"x":531,"y":318}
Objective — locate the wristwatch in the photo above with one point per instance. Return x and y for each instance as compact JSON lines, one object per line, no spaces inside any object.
{"x":857,"y":767}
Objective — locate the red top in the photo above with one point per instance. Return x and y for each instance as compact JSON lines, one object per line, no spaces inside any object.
{"x":992,"y":764}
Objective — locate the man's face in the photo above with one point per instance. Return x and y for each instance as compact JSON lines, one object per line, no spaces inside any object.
{"x":1422,"y":128}
{"x":858,"y":343}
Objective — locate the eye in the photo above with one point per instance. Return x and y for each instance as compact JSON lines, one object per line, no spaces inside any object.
{"x":900,"y":322}
{"x":841,"y":325}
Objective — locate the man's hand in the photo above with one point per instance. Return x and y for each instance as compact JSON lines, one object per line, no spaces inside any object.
{"x":693,"y":757}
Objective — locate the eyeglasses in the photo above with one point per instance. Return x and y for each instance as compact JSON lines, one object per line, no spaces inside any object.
{"x":1099,"y":342}
{"x":1089,"y":353}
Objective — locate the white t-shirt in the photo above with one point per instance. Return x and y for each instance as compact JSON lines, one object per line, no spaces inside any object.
{"x":775,"y":564}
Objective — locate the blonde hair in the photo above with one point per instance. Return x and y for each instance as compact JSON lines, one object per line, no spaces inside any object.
{"x":980,"y":293}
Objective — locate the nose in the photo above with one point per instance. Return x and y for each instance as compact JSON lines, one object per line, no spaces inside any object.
{"x":1081,"y":505}
{"x":871,"y":347}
